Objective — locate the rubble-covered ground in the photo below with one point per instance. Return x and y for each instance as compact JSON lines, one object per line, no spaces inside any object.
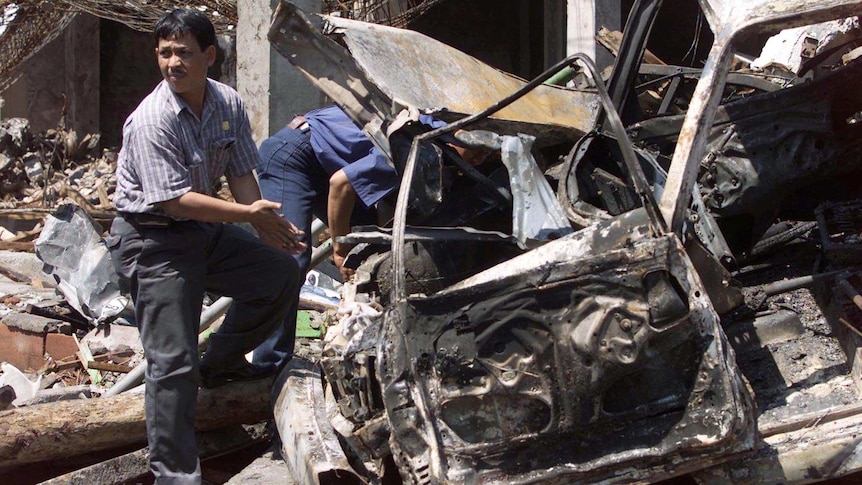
{"x":37,"y":170}
{"x":797,"y":366}
{"x":788,"y":353}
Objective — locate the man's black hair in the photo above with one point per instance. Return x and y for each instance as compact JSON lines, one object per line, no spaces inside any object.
{"x":183,"y":21}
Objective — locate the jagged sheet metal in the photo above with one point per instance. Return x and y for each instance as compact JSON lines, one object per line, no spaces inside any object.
{"x":769,"y":15}
{"x":418,"y":71}
{"x":309,"y":443}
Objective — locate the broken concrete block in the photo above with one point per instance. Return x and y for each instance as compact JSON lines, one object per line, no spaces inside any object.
{"x":21,"y":348}
{"x":113,"y":338}
{"x":26,"y":263}
{"x":23,"y":339}
{"x":60,"y":346}
{"x":33,"y":323}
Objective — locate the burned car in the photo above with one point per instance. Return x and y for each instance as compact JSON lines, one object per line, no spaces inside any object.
{"x":554,"y":315}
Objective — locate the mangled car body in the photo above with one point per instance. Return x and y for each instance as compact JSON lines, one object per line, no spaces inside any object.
{"x":542,"y":320}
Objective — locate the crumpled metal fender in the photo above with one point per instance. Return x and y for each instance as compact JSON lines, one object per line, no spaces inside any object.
{"x":596,"y":357}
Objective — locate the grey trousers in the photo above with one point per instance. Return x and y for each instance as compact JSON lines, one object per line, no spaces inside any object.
{"x":168,"y":269}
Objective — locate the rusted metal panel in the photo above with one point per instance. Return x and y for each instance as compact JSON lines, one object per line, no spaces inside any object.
{"x":714,"y":11}
{"x":389,"y":70}
{"x":416,"y":70}
{"x":329,"y":67}
{"x":309,"y":444}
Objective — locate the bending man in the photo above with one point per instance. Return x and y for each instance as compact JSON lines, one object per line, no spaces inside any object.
{"x":323,"y":165}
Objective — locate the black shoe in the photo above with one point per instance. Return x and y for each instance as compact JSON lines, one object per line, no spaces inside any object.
{"x":215,"y":377}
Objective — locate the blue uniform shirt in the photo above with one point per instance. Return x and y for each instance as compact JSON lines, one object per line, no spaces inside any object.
{"x":340,"y":145}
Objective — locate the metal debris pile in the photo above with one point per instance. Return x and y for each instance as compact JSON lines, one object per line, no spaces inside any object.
{"x":41,"y":170}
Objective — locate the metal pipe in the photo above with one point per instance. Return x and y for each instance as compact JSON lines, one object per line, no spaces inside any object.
{"x":851,"y":292}
{"x":800,"y":282}
{"x":317,"y":228}
{"x":565,"y":75}
{"x":136,"y":376}
{"x":321,"y":252}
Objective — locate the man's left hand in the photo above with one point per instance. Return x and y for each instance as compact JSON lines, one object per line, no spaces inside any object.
{"x":275,"y":230}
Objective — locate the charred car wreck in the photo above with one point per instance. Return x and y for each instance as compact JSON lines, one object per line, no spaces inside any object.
{"x":554,"y":315}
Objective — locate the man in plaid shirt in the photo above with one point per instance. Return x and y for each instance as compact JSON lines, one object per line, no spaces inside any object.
{"x":171,"y":243}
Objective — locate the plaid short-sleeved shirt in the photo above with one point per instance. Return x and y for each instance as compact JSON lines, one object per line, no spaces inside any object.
{"x":167,"y":151}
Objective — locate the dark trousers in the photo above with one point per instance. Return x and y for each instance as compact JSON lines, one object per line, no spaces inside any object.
{"x":289,"y":173}
{"x":168,"y":270}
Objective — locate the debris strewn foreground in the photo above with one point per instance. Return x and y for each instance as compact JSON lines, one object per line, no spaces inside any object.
{"x":40,"y":172}
{"x":59,"y":357}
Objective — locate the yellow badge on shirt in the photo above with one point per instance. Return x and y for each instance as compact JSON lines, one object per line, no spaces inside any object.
{"x":225,"y":125}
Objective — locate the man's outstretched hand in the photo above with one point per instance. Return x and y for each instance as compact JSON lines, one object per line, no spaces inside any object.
{"x":275,"y":230}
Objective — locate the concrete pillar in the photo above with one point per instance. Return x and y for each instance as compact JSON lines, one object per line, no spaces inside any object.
{"x":585,"y":18}
{"x":64,"y":72}
{"x":273,"y":90}
{"x":555,"y":32}
{"x":81,"y":40}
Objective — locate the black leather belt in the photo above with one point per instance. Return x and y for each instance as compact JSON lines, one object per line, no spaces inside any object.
{"x":147,"y":220}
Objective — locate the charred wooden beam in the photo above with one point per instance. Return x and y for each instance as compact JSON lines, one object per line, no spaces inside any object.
{"x":57,"y":430}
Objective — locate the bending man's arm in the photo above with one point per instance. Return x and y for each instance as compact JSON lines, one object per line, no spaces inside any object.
{"x":339,"y":208}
